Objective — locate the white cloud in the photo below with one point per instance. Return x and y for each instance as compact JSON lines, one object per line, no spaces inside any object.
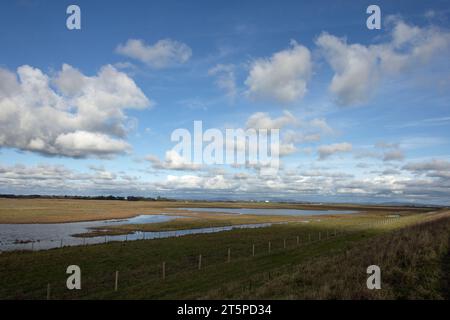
{"x":304,"y":130}
{"x":68,"y":114}
{"x":358,"y":68}
{"x":393,"y":155}
{"x":429,"y":165}
{"x":172,"y":161}
{"x":326,"y":151}
{"x":287,"y":149}
{"x":262,"y":120}
{"x":164,"y":53}
{"x":282,"y":77}
{"x":226,"y":79}
{"x":382,"y":151}
{"x":354,"y":66}
{"x":80,"y":143}
{"x":216,"y":182}
{"x":432,"y":183}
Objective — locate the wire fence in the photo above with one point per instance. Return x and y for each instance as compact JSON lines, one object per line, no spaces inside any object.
{"x":167,"y":269}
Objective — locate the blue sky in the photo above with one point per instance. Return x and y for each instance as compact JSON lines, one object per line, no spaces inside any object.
{"x":364,"y":114}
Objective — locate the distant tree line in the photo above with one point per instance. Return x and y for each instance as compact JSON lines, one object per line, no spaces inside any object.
{"x":110,"y":197}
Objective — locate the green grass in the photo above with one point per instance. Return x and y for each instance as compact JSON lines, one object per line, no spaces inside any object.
{"x":25,"y":275}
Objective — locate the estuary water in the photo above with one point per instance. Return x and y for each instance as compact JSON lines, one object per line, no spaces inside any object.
{"x":53,"y":235}
{"x":42,"y":236}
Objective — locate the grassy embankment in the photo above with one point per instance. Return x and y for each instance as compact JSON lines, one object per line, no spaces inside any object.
{"x":25,"y":275}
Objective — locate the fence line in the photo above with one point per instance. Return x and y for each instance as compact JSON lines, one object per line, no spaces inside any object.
{"x":344,"y":230}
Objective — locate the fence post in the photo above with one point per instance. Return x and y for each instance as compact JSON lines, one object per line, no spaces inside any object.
{"x":48,"y":291}
{"x":229,"y":255}
{"x":298,"y":240}
{"x":253,"y":250}
{"x":269,"y":246}
{"x":84,"y":241}
{"x":328,"y":234}
{"x":164,"y":270}
{"x":105,"y":238}
{"x":61,"y":243}
{"x":284,"y":244}
{"x":320,"y":236}
{"x":199,"y":262}
{"x":116,"y":282}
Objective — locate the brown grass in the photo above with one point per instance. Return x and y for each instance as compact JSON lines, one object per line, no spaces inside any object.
{"x":414,"y":264}
{"x":69,"y":210}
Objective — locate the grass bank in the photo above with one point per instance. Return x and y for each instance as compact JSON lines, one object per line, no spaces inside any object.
{"x":25,"y":275}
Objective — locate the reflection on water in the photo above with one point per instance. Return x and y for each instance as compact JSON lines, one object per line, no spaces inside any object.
{"x":46,"y":236}
{"x":55,"y":235}
{"x":272,"y":212}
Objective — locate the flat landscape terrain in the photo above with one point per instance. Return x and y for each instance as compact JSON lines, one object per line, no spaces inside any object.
{"x":62,"y":210}
{"x":324,"y":258}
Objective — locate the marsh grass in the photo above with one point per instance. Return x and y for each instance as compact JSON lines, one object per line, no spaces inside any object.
{"x":278,"y":274}
{"x":414,"y":264}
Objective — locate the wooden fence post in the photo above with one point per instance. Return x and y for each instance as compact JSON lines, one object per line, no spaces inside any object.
{"x":298,"y":240}
{"x":253,"y":250}
{"x":284,"y":244}
{"x":48,"y":291}
{"x":269,"y":246}
{"x":199,"y":262}
{"x":229,"y":255}
{"x":116,"y":282}
{"x":164,"y":270}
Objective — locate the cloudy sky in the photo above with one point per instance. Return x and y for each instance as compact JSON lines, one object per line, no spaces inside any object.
{"x":364,"y":115}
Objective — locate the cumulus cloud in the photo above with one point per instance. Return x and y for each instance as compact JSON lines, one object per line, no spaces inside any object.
{"x":164,"y":53}
{"x":293,"y":130}
{"x":225,"y":79}
{"x":354,"y":67}
{"x":173,"y":161}
{"x":429,"y":182}
{"x":382,"y":151}
{"x":326,"y":151}
{"x":262,"y":120}
{"x":393,"y":155}
{"x":187,"y":182}
{"x":69,"y":113}
{"x":282,"y":77}
{"x":81,"y":143}
{"x":58,"y":179}
{"x":358,"y":68}
{"x":432,"y":168}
